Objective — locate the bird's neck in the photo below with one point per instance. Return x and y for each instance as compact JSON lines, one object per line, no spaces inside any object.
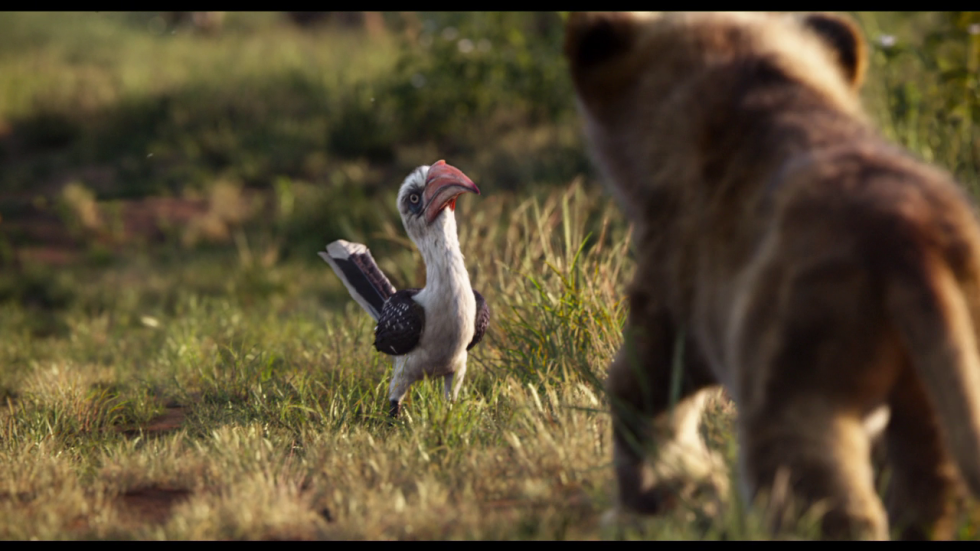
{"x":445,"y":272}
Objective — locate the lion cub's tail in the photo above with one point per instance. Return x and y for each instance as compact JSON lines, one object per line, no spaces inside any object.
{"x":934,"y":318}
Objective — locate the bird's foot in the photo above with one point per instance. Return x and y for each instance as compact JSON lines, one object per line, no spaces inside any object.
{"x":393,"y":410}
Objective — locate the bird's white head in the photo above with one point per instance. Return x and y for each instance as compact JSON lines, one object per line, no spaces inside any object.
{"x":427,"y":201}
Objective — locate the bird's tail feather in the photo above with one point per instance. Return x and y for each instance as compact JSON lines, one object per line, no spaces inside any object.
{"x":356,"y":268}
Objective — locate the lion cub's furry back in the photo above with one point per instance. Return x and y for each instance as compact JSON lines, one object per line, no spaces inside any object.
{"x":822,"y":275}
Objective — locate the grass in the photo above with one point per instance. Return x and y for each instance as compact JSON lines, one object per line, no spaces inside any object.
{"x":196,"y":372}
{"x":283,"y":402}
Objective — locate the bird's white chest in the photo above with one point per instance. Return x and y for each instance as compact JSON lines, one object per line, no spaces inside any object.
{"x":449,"y":327}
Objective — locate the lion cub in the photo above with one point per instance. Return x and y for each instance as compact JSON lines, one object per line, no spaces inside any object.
{"x":828,"y":280}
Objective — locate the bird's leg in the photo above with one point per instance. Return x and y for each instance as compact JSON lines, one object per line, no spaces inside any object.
{"x":452,"y":390}
{"x":448,"y":390}
{"x":398,"y":388}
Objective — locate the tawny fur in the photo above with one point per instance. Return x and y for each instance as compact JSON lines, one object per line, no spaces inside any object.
{"x":827,"y":279}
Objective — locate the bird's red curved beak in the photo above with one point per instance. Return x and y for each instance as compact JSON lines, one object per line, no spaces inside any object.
{"x":443,"y":184}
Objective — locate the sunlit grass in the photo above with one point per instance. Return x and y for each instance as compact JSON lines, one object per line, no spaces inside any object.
{"x":284,"y":399}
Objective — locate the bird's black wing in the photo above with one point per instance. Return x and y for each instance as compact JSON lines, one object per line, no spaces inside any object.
{"x":356,"y":268}
{"x":482,"y":319}
{"x":400,"y":325}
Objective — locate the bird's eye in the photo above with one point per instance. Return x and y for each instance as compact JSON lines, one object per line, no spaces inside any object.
{"x":414,"y":198}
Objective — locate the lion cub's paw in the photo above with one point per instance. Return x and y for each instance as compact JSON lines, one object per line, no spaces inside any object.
{"x":691,"y":472}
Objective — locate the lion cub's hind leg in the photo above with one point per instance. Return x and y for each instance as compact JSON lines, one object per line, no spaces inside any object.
{"x":806,"y":453}
{"x":815,"y":362}
{"x":923,"y":490}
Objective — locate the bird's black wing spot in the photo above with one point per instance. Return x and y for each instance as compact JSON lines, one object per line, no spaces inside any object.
{"x":400,"y":325}
{"x":482,"y":319}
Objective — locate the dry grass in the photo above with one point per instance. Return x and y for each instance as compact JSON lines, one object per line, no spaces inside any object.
{"x":183,"y":404}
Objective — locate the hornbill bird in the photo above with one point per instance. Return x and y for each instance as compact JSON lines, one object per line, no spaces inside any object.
{"x":428,"y":331}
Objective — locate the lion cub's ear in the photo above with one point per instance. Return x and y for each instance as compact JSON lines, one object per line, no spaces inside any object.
{"x":845,"y":39}
{"x":594,"y":38}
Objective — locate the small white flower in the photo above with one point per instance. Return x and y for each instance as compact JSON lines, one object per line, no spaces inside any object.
{"x":450,"y":33}
{"x":886,"y":40}
{"x":974,"y":28}
{"x":465,"y":45}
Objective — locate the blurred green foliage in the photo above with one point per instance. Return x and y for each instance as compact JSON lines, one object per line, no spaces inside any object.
{"x":128,"y":107}
{"x":264,"y":100}
{"x":470,"y":68}
{"x":922,"y":85}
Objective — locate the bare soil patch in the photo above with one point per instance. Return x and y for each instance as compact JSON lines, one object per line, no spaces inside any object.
{"x":149,"y":505}
{"x":169,"y":421}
